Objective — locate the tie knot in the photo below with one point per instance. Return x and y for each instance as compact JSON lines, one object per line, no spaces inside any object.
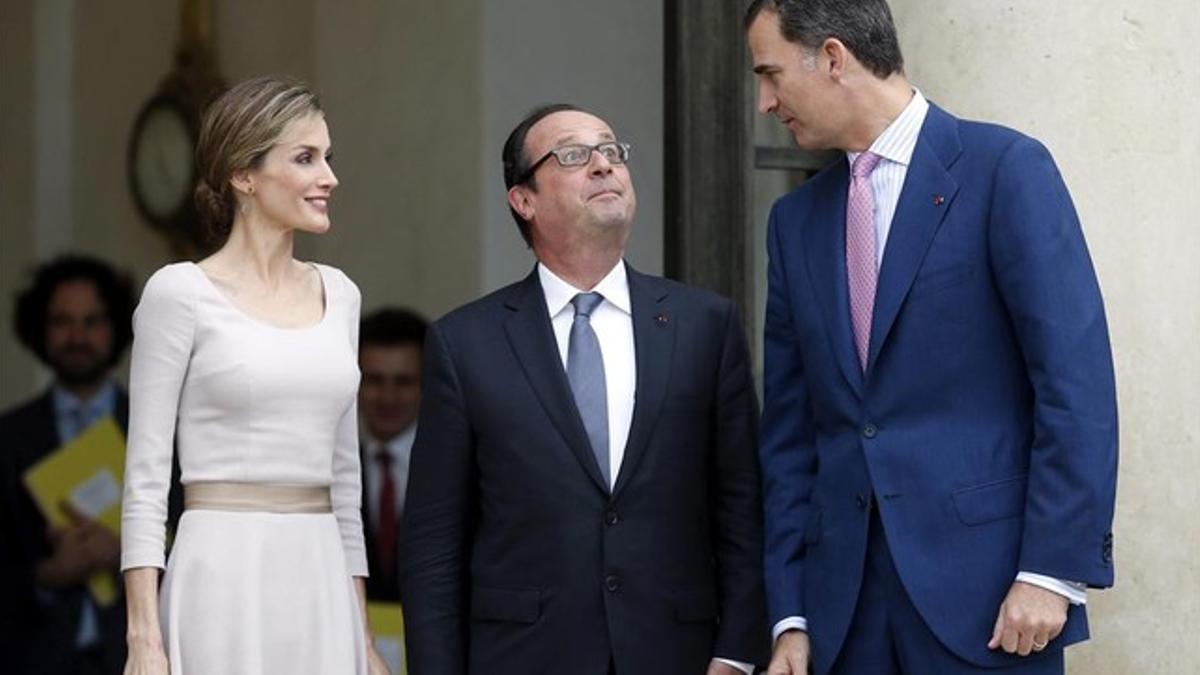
{"x":585,"y":303}
{"x":865,"y":163}
{"x":384,"y":458}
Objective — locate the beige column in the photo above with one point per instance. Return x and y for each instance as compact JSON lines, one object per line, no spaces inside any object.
{"x":17,"y":371}
{"x":1113,"y":89}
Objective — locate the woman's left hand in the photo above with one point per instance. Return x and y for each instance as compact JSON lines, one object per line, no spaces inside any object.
{"x":375,"y":662}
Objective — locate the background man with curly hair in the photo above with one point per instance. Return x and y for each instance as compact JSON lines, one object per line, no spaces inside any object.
{"x":76,"y":318}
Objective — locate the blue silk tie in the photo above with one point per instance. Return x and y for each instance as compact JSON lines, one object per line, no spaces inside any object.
{"x":585,"y":370}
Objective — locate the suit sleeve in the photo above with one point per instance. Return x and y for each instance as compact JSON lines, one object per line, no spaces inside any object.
{"x":438,"y":508}
{"x":16,"y":570}
{"x":1045,"y":277}
{"x":163,"y":328}
{"x":787,"y":450}
{"x":742,"y":633}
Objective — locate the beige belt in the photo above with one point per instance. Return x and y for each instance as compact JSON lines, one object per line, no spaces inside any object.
{"x":265,"y":497}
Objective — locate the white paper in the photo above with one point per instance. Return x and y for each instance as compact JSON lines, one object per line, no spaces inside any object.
{"x":391,"y":650}
{"x":96,"y":494}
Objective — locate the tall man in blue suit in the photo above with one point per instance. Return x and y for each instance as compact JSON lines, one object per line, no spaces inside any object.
{"x":939,"y":438}
{"x":584,"y":494}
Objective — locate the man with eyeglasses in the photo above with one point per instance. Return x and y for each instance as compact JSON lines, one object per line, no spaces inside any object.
{"x":583,"y":494}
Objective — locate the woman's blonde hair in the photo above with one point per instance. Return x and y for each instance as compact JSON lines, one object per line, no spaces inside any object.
{"x":236,"y":132}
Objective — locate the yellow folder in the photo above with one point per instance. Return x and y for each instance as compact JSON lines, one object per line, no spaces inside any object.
{"x":387,"y":623}
{"x":87,"y":474}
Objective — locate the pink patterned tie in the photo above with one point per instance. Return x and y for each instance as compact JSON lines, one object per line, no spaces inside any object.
{"x":861,"y":270}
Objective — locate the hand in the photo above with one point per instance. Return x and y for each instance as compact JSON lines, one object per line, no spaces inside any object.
{"x":78,"y":550}
{"x":375,"y":664}
{"x":716,"y":667}
{"x":791,"y":654}
{"x":1029,"y":618}
{"x":100,"y":547}
{"x":146,"y":660}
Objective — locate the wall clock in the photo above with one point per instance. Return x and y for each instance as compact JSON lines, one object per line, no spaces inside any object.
{"x":161,"y":164}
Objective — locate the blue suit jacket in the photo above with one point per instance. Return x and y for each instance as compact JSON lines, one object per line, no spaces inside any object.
{"x":985,"y":426}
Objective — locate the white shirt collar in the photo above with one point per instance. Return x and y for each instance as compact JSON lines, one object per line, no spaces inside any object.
{"x":395,"y":446}
{"x":614,"y":287}
{"x":899,"y":139}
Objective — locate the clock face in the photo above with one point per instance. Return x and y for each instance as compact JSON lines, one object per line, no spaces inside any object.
{"x":161,"y":159}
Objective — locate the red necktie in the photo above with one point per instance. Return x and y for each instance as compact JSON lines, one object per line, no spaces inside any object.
{"x":385,"y":536}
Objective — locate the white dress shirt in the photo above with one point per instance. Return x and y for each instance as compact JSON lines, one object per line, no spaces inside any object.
{"x":612,"y":320}
{"x":895,"y":146}
{"x":72,"y":417}
{"x":400,"y":450}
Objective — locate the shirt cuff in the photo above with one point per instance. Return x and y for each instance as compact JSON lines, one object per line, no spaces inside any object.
{"x":746,"y":668}
{"x":786,"y":624}
{"x":1074,"y":591}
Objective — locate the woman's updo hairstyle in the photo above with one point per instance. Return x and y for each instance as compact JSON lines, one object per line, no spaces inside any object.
{"x":236,"y":132}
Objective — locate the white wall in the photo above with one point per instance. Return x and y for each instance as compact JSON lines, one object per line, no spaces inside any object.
{"x":604,"y":56}
{"x":401,"y":86}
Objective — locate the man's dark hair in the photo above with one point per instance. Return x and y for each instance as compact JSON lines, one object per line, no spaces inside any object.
{"x":516,"y":163}
{"x":33,"y":304}
{"x":864,"y":26}
{"x":392,"y":327}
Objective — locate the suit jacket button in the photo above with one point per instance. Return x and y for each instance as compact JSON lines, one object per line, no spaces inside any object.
{"x":870,"y":431}
{"x":612,"y":582}
{"x":611,"y":518}
{"x":862,"y":501}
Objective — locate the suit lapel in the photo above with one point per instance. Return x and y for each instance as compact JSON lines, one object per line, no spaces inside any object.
{"x":825,"y":246}
{"x":654,"y":345}
{"x":43,"y":437}
{"x":532,"y":339}
{"x":928,"y":193}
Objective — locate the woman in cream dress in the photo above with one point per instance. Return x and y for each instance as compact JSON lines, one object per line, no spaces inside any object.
{"x":247,"y":363}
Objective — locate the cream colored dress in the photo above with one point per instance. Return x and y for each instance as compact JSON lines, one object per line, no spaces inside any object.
{"x":244,"y":401}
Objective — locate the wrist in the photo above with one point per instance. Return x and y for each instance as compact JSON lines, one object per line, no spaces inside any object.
{"x":140,"y":638}
{"x":791,"y":634}
{"x":142,"y":629}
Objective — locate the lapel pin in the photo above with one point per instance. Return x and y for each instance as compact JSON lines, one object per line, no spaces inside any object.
{"x":938,"y":200}
{"x":661,"y":319}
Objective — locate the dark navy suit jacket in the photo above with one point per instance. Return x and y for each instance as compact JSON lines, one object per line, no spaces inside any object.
{"x":985,"y":426}
{"x":517,"y":558}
